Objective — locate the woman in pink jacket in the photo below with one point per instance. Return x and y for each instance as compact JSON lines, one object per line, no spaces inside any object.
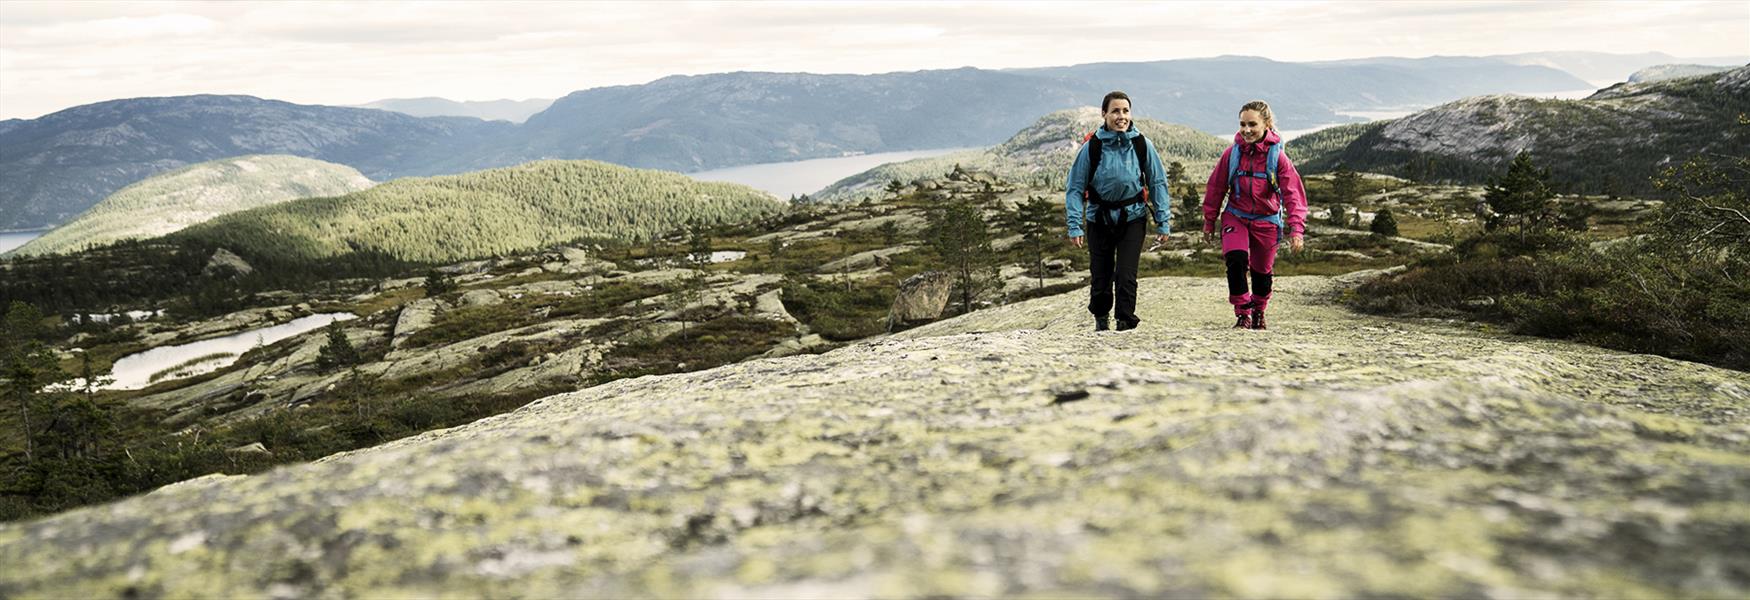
{"x":1265,"y":200}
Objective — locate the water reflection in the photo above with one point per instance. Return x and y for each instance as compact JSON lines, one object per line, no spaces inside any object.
{"x":135,"y":371}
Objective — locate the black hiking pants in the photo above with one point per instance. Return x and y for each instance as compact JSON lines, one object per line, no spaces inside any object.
{"x":1114,"y":251}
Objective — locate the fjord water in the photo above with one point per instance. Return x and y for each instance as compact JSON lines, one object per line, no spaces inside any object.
{"x":798,"y":177}
{"x":14,"y":239}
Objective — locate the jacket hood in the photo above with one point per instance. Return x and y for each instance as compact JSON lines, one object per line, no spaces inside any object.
{"x":1108,"y":136}
{"x":1270,"y":138}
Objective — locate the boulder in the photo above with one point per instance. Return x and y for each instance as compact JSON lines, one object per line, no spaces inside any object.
{"x":415,"y":316}
{"x":770,"y":305}
{"x":255,"y":449}
{"x":481,"y":298}
{"x":864,"y":260}
{"x":920,"y":298}
{"x":224,"y":262}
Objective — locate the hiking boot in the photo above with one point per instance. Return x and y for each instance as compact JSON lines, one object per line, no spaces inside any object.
{"x":1100,"y":324}
{"x":1124,"y":325}
{"x":1258,"y":318}
{"x":1244,"y":322}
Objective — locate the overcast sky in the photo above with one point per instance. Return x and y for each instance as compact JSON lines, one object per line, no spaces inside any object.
{"x":55,"y":55}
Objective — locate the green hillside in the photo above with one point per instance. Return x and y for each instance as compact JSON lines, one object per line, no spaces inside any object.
{"x":485,"y":213}
{"x":1041,"y":153}
{"x":167,"y":203}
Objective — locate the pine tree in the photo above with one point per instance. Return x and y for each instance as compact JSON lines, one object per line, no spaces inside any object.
{"x":437,"y":284}
{"x":1523,"y":194}
{"x":31,"y":371}
{"x":889,"y":233}
{"x":1190,"y":205}
{"x":1037,"y":220}
{"x":1384,"y":224}
{"x":1345,"y":185}
{"x":698,"y":247}
{"x":958,"y":234}
{"x":338,"y":352}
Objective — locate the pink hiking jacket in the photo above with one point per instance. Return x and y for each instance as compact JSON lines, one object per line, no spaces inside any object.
{"x":1254,"y":195}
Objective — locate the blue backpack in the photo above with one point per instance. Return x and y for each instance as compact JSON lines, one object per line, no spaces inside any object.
{"x":1140,"y":146}
{"x":1271,"y":159}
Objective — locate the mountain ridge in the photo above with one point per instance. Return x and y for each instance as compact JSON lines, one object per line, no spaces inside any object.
{"x":57,"y":165}
{"x":1613,"y":141}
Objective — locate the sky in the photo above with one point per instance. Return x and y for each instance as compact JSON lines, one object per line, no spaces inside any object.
{"x":56,"y":55}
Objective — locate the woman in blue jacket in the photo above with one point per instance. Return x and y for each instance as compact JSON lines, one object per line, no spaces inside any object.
{"x":1114,"y":185}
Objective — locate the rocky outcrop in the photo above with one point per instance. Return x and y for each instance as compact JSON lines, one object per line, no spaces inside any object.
{"x":1011,"y":451}
{"x":864,"y":260}
{"x":224,"y":263}
{"x":415,"y":316}
{"x":920,"y":297}
{"x":1615,"y":141}
{"x":481,"y":298}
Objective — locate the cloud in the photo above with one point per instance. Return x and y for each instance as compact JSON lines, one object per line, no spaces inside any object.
{"x":59,"y":54}
{"x":119,"y":29}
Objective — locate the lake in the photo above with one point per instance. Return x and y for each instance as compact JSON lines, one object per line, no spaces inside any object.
{"x":14,"y":239}
{"x":798,"y":177}
{"x":135,"y":371}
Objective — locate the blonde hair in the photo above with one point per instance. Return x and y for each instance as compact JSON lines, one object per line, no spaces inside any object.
{"x":1263,"y":109}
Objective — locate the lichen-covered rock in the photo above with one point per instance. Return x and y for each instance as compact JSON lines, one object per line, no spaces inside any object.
{"x":770,"y":305}
{"x":920,"y":297}
{"x":415,"y":316}
{"x":879,"y":257}
{"x":1012,"y":451}
{"x":481,"y":298}
{"x":226,"y":263}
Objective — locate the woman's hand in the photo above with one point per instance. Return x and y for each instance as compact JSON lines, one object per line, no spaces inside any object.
{"x":1209,"y":238}
{"x":1297,"y":242}
{"x":1076,"y":241}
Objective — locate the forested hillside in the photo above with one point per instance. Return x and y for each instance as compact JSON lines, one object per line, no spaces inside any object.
{"x":167,"y":203}
{"x":486,"y":213}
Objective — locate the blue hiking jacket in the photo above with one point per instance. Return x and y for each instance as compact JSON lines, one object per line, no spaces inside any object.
{"x":1119,"y":177}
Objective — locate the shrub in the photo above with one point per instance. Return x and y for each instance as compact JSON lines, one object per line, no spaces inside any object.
{"x":1384,"y":224}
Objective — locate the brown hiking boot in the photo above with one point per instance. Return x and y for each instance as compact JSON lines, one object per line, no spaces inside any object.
{"x":1244,"y":322}
{"x":1258,"y":318}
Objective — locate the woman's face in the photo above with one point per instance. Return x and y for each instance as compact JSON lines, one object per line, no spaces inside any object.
{"x":1251,"y":126}
{"x":1118,"y":114}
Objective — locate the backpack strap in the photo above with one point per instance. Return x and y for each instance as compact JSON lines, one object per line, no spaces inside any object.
{"x":1140,"y":145}
{"x":1272,"y":159}
{"x":1093,"y":145}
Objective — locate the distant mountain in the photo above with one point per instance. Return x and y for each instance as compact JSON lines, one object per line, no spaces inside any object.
{"x":690,"y":123}
{"x":54,"y":167}
{"x":515,"y":111}
{"x":1044,"y":149}
{"x":1206,"y":92}
{"x":486,"y":213}
{"x":1664,"y":72}
{"x":1604,"y":69}
{"x":169,"y":202}
{"x":1470,"y":76}
{"x":1615,"y":140}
